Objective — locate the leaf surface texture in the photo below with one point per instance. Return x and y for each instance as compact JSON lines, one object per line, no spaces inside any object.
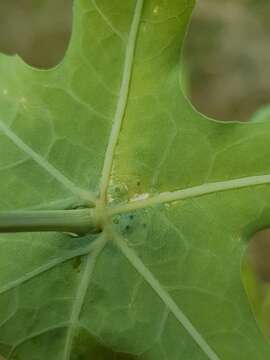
{"x":181,"y":194}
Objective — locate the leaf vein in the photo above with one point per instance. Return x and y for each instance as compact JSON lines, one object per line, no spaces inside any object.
{"x":34,"y":335}
{"x":42,"y":162}
{"x":81,"y":294}
{"x":123,"y":98}
{"x":192,"y":192}
{"x":50,"y":265}
{"x":135,"y":261}
{"x":107,"y":20}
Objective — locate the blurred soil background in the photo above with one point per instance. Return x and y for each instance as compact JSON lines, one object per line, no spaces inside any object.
{"x":227,"y":57}
{"x":37,"y":30}
{"x":228,"y":54}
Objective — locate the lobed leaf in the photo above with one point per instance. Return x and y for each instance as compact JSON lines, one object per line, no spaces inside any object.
{"x":179,"y":195}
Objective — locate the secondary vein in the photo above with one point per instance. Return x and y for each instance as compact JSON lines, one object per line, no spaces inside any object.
{"x":193,"y":192}
{"x":35,"y":335}
{"x":107,"y":21}
{"x":81,"y":294}
{"x":46,"y":267}
{"x":165,"y":297}
{"x":122,"y":102}
{"x":42,"y":162}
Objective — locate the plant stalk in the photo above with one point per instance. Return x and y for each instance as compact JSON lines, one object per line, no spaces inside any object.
{"x":78,"y":221}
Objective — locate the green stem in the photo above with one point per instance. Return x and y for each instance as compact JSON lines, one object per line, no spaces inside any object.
{"x":79,"y":221}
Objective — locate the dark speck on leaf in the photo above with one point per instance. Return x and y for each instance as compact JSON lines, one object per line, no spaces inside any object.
{"x":77,"y":263}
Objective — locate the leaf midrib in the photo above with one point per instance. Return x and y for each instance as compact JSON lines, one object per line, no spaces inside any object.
{"x":123,"y":100}
{"x":192,"y":192}
{"x":168,"y":301}
{"x":91,"y":259}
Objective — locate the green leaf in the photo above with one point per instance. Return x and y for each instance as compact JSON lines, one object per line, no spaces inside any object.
{"x":263,"y":114}
{"x":177,"y":195}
